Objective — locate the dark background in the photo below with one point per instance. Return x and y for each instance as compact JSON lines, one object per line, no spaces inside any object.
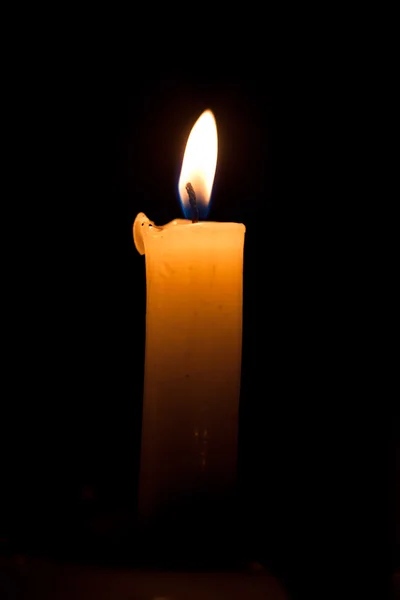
{"x":96,"y":148}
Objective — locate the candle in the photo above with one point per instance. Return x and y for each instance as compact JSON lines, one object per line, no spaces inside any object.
{"x":194,"y":274}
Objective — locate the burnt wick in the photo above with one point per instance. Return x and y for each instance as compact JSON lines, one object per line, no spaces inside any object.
{"x":193,"y":202}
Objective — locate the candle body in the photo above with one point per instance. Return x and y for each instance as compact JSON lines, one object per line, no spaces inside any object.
{"x":194,"y":275}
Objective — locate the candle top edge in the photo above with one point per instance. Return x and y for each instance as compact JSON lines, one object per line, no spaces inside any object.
{"x":203,"y":224}
{"x":142,"y":220}
{"x":143,"y":228}
{"x":187,"y":227}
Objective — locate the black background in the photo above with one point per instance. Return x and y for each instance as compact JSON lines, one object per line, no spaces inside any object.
{"x":91,"y":148}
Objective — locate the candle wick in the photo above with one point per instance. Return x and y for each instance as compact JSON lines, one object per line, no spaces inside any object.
{"x":193,"y":203}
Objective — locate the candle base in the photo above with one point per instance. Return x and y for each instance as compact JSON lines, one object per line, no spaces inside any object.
{"x":199,"y":533}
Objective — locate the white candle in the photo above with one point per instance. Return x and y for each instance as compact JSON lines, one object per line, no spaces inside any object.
{"x":194,"y":274}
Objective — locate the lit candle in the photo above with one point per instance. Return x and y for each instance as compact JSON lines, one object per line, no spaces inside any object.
{"x":194,"y":275}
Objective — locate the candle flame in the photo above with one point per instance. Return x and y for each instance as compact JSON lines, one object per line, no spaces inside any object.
{"x":199,"y":164}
